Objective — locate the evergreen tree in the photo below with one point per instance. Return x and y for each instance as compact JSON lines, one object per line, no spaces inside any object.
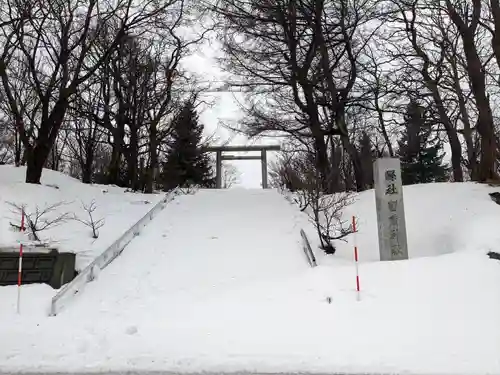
{"x":186,"y":164}
{"x":421,"y":157}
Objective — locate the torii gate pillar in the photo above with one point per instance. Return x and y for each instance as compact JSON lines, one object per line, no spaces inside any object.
{"x":263,"y":159}
{"x":220,"y":158}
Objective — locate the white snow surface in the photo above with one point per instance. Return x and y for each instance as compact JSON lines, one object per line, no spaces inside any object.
{"x":218,"y":282}
{"x":119,"y":210}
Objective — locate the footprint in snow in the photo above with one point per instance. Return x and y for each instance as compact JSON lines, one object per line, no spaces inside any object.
{"x":131,"y":330}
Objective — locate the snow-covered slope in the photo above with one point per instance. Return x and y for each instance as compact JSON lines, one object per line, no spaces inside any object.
{"x":218,"y":282}
{"x":119,"y":210}
{"x":441,"y":218}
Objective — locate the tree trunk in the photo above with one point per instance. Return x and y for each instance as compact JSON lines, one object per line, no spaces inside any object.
{"x":87,"y":166}
{"x":87,"y":176}
{"x":35,"y":160}
{"x":322,"y":164}
{"x":485,"y":127}
{"x":153,"y":160}
{"x":477,"y":77}
{"x":53,"y":158}
{"x":37,"y":156}
{"x":114,"y":164}
{"x":87,"y":162}
{"x":359,"y":176}
{"x":17,"y":157}
{"x":132,"y":160}
{"x":464,"y":115}
{"x":456,"y":155}
{"x":347,"y":167}
{"x":335,"y":162}
{"x":17,"y":150}
{"x":24,"y":157}
{"x":486,"y":170}
{"x":116,"y":155}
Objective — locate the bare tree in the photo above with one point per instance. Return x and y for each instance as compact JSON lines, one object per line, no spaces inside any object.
{"x":134,"y":95}
{"x":416,"y":30}
{"x":57,"y":43}
{"x":466,"y":16}
{"x":299,"y":61}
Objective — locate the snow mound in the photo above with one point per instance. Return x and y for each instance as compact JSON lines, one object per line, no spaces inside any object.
{"x":119,"y":210}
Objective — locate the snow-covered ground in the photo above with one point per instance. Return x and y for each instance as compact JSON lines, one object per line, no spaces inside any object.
{"x":218,"y":282}
{"x":441,"y":218}
{"x":119,"y":210}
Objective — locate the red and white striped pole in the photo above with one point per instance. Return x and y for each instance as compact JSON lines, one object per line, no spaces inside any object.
{"x":358,"y":295}
{"x":20,"y":269}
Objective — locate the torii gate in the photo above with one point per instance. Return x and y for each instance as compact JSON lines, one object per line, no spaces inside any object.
{"x":220,"y":157}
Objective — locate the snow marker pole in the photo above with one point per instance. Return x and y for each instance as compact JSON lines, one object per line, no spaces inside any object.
{"x":358,"y":296}
{"x":20,"y":270}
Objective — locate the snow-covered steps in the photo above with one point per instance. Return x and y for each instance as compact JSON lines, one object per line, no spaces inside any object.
{"x":202,"y":245}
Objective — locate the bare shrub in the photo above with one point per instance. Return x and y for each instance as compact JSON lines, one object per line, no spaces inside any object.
{"x":41,"y":219}
{"x":326,"y":214}
{"x":285,"y":172}
{"x":325,"y":211}
{"x":300,"y":176}
{"x":91,"y":222}
{"x":187,"y":190}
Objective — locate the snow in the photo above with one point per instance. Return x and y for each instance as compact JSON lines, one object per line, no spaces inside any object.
{"x":218,"y":282}
{"x":441,"y":218}
{"x":119,"y":210}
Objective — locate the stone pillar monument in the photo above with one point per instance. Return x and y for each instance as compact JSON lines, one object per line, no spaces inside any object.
{"x":390,"y":209}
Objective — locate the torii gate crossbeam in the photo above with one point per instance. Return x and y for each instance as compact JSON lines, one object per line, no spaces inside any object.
{"x":220,"y":157}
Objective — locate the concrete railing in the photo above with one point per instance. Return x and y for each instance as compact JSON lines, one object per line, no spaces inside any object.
{"x":306,"y":246}
{"x":88,"y":273}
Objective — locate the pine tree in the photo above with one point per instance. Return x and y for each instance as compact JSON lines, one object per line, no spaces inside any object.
{"x":421,"y":157}
{"x":186,"y":164}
